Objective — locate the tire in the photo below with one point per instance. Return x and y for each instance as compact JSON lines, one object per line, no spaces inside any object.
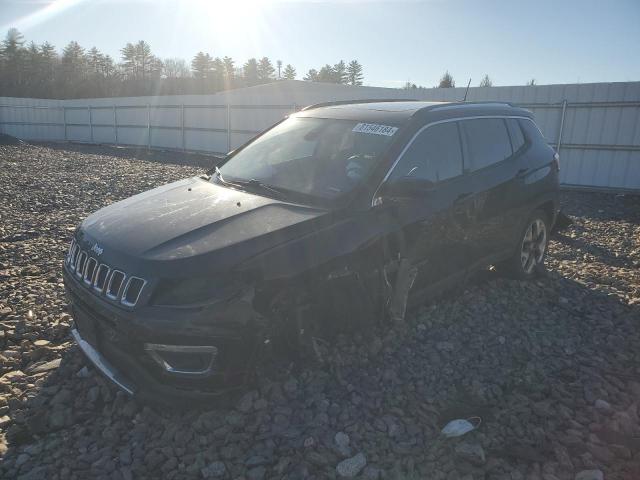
{"x":531,"y":248}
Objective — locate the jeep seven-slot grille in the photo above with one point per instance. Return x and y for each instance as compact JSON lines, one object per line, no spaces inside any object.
{"x":103,"y":279}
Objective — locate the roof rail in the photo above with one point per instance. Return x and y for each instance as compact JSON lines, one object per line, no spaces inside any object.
{"x":349,"y":102}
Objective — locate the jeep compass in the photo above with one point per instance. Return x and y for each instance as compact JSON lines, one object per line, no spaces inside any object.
{"x":339,"y":216}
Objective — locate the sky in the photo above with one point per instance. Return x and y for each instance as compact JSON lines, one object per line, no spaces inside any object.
{"x":513,"y":41}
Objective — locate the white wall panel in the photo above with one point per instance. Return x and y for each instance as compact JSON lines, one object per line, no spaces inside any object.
{"x":613,"y":129}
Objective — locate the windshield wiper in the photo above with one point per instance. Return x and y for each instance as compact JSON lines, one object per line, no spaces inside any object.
{"x":252,"y":184}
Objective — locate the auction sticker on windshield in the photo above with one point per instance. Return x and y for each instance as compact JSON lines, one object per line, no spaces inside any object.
{"x":375,"y":129}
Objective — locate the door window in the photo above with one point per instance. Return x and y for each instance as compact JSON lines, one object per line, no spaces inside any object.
{"x":487,"y":142}
{"x":435,"y":155}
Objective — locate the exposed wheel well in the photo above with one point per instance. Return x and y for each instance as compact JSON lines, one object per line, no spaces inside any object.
{"x":549,"y":209}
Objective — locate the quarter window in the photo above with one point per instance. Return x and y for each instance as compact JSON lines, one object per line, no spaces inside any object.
{"x":434,"y":155}
{"x":532,"y":132}
{"x":517,"y":138}
{"x":487,"y":142}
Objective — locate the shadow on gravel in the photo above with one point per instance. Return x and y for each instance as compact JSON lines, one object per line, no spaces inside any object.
{"x":161,"y":156}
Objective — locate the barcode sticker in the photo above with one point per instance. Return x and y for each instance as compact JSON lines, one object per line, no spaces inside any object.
{"x":375,"y":129}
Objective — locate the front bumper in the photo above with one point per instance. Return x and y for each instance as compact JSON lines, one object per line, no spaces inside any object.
{"x":102,"y":364}
{"x":117,"y":343}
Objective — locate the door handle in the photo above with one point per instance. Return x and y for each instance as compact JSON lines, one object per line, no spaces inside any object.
{"x":522,"y":173}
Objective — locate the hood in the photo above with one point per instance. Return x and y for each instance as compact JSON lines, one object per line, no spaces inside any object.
{"x":193,"y":217}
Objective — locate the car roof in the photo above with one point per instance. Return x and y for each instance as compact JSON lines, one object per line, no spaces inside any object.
{"x":400,"y":111}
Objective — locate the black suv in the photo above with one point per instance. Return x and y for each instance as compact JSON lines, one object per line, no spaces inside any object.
{"x":337,"y":217}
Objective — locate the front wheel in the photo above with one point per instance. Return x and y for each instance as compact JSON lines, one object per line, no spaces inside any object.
{"x":531,"y":249}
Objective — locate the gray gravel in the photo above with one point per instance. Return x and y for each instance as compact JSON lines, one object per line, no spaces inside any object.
{"x":552,"y":367}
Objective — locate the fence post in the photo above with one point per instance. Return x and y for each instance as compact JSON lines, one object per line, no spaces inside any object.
{"x":115,"y":125}
{"x":228,"y":127}
{"x":561,"y":129}
{"x":90,"y":124}
{"x":64,"y":121}
{"x":148,"y":126}
{"x":184,"y":148}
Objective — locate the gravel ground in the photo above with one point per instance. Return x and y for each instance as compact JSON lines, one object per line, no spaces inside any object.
{"x":551,"y":367}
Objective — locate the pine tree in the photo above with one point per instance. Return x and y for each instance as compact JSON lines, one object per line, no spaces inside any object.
{"x":354,"y":73}
{"x":218,"y":73}
{"x":340,"y":72}
{"x":446,"y":81}
{"x":265,"y":70}
{"x":202,"y":65}
{"x":250,"y":70}
{"x":229,"y":72}
{"x":12,"y":57}
{"x":311,"y":76}
{"x":128,"y":53}
{"x":486,"y":81}
{"x":326,"y":74}
{"x":147,"y":63}
{"x":289,"y":72}
{"x":531,"y":82}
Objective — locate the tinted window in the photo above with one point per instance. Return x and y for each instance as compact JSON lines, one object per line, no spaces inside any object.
{"x":434,"y":155}
{"x":487,"y":142}
{"x":517,"y":138}
{"x":531,"y":131}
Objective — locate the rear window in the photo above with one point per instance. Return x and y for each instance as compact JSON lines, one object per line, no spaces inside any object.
{"x":487,"y":142}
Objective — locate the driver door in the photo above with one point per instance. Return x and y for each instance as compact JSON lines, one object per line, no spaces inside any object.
{"x":437,"y":214}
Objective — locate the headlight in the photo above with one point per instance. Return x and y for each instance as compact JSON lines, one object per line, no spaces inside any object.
{"x":195,"y":290}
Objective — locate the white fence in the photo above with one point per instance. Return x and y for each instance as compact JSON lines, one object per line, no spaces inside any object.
{"x":596,"y":127}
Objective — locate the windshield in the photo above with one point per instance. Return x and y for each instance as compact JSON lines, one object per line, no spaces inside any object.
{"x":316,"y":157}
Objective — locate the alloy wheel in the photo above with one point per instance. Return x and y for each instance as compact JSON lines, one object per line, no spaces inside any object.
{"x":534,"y":244}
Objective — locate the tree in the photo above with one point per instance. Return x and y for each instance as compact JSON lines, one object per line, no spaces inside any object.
{"x":229,"y":72}
{"x":289,"y":72}
{"x":446,"y":81}
{"x":340,"y":73}
{"x":175,"y":68}
{"x":147,"y":63}
{"x":311,"y":76}
{"x":279,"y":64}
{"x":12,"y":55}
{"x":531,"y":82}
{"x":202,"y":65}
{"x":250,"y":71}
{"x":265,"y":70}
{"x":326,"y":74}
{"x":486,"y":81}
{"x":354,"y":73}
{"x":128,"y":55}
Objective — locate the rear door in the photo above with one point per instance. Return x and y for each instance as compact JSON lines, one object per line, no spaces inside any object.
{"x":493,"y":170}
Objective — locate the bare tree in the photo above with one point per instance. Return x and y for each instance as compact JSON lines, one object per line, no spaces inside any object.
{"x":486,"y":81}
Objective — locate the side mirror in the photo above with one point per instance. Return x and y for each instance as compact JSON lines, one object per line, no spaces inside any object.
{"x":407,"y":188}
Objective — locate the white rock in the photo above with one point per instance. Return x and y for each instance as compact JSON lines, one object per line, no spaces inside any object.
{"x":351,"y":466}
{"x":590,"y":475}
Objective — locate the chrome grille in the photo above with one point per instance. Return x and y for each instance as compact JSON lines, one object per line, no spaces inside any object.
{"x":104,"y":280}
{"x":116,"y":280}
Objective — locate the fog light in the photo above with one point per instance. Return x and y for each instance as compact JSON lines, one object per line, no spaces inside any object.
{"x":183,"y":359}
